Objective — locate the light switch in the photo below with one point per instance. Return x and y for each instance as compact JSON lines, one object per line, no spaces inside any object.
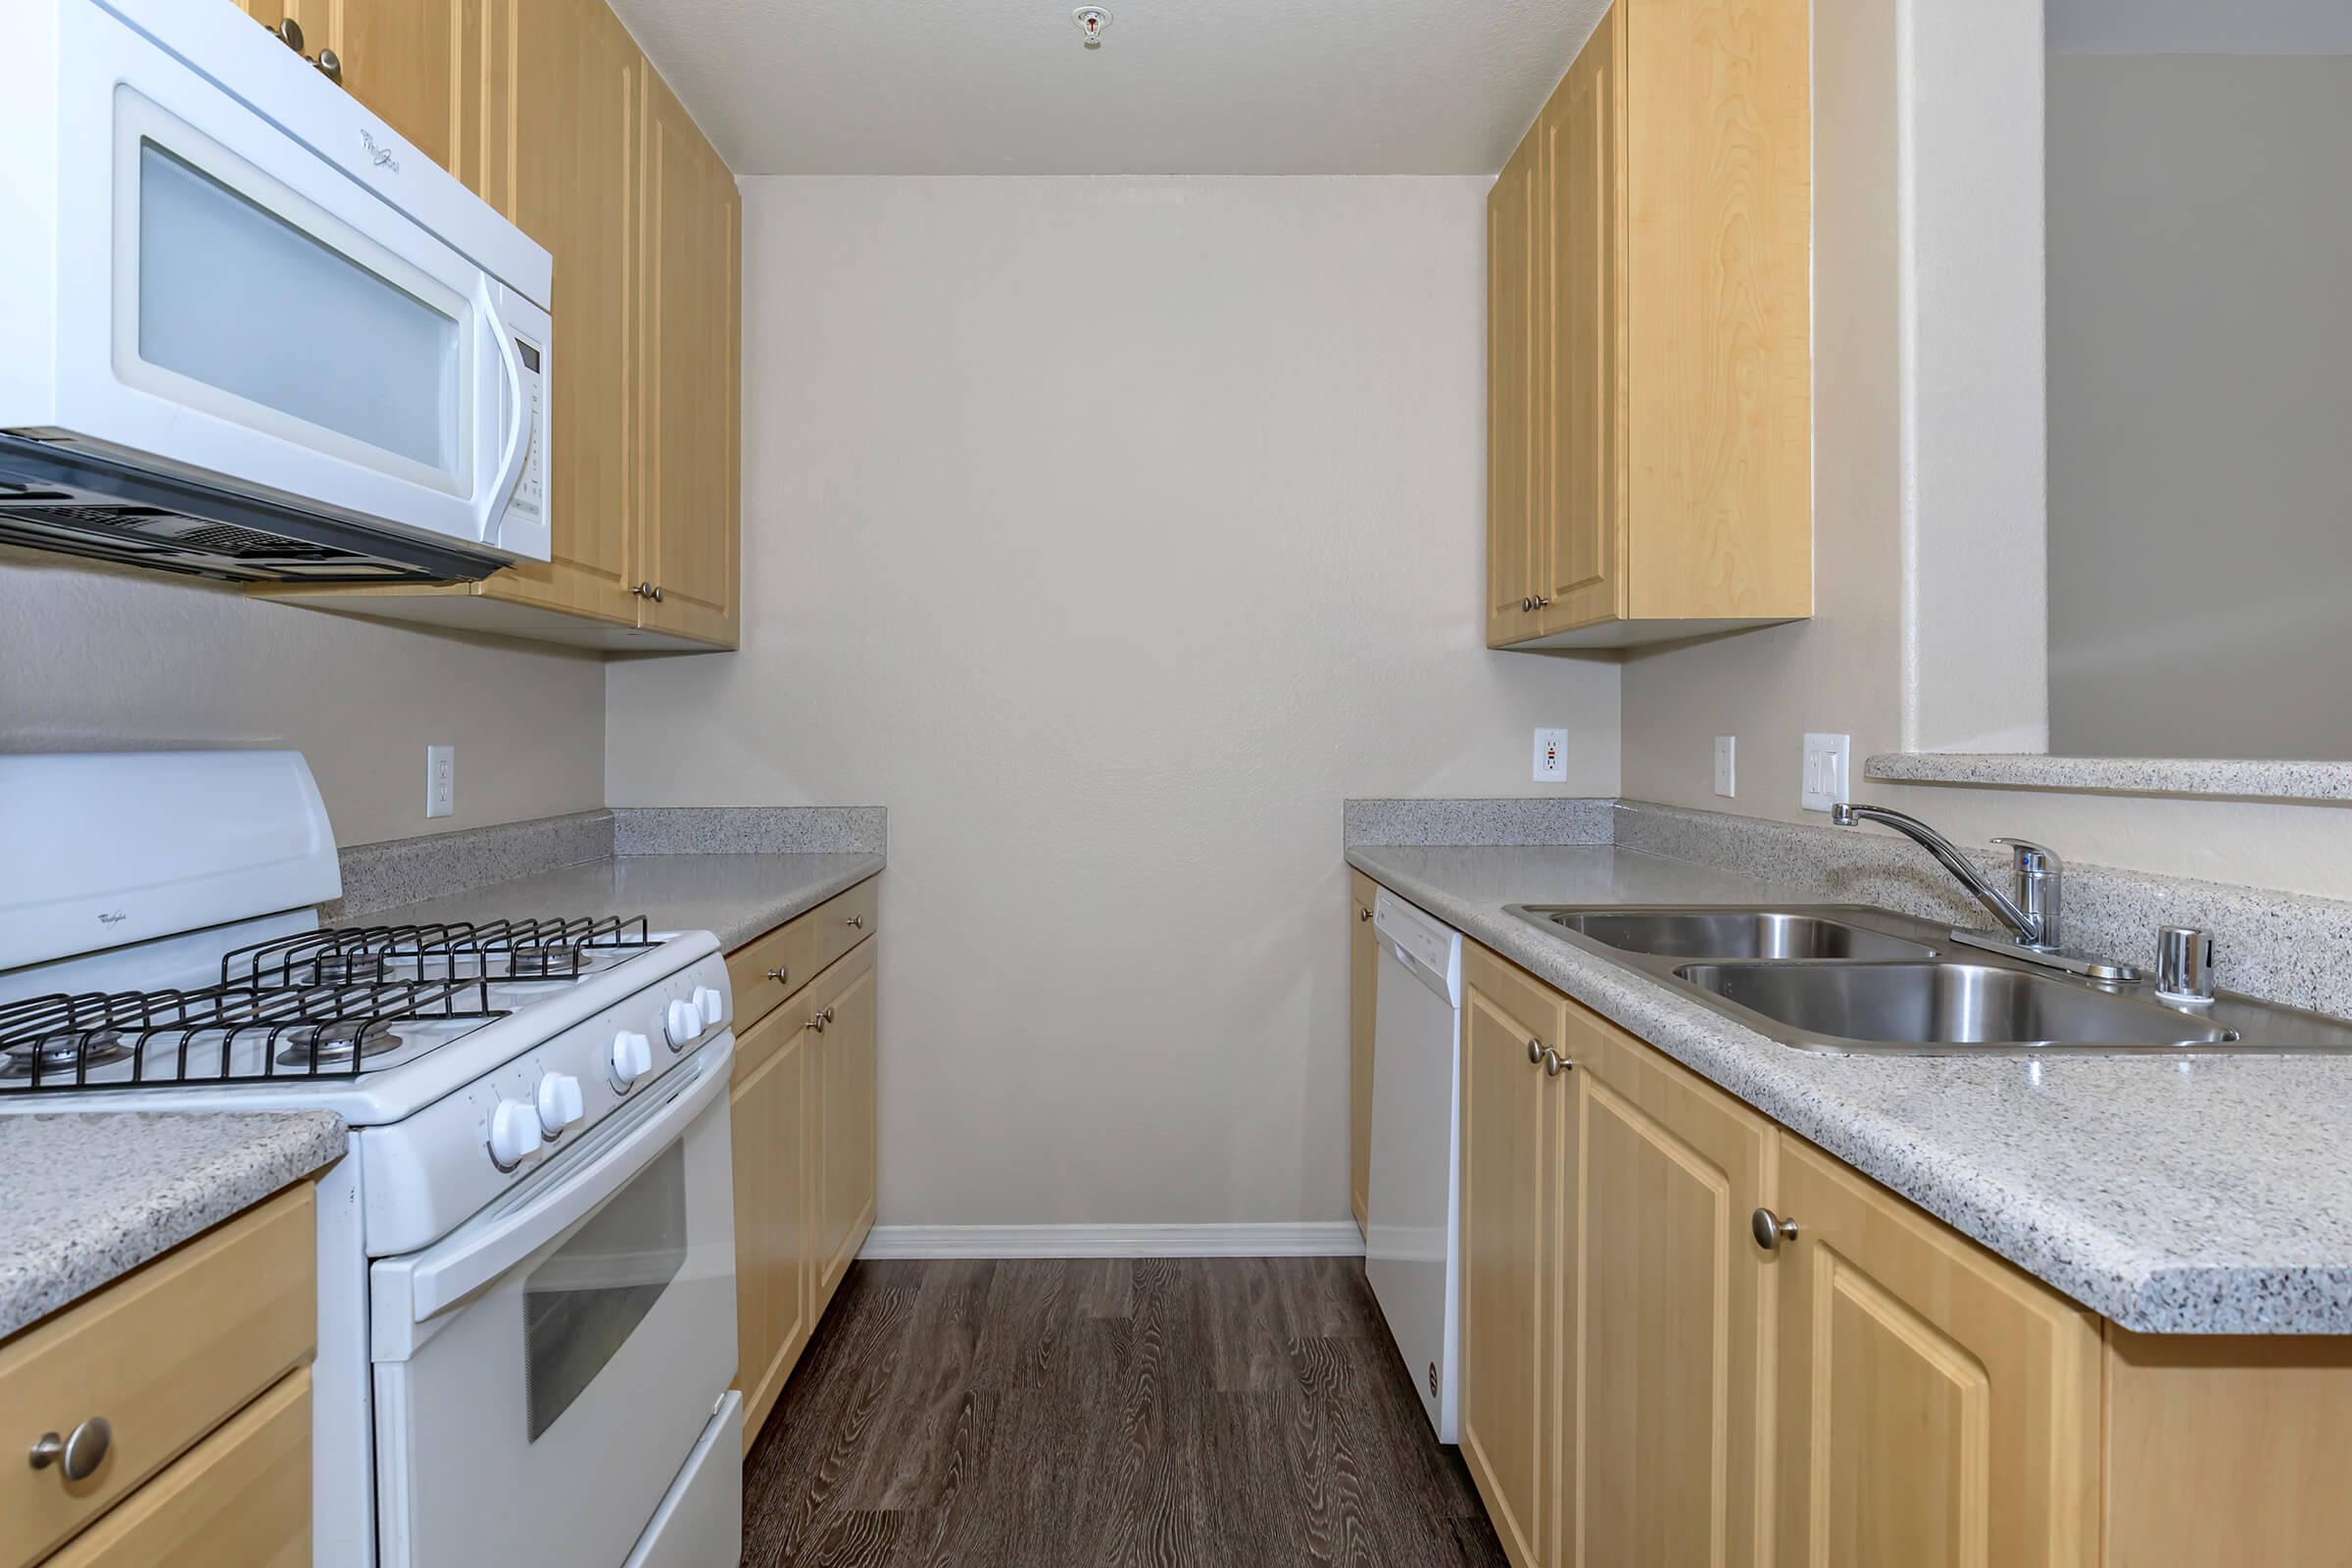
{"x":1826,"y":762}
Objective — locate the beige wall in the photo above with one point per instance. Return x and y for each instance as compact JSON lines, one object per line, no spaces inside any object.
{"x":1112,"y":532}
{"x":100,"y":658}
{"x":1844,"y":670}
{"x":2200,"y":472}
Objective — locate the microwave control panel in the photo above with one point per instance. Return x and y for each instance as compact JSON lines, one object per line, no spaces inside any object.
{"x":530,"y":489}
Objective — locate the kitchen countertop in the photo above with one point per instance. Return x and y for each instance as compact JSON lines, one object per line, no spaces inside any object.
{"x":92,"y":1197}
{"x":735,"y":897}
{"x":2208,"y":1194}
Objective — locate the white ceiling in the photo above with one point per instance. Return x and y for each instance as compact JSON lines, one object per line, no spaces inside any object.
{"x":1178,"y":87}
{"x":2200,"y":26}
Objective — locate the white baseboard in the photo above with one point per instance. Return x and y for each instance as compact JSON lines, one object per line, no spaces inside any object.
{"x":1324,"y":1239}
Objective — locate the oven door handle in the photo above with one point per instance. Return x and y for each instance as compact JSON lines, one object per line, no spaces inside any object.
{"x":447,"y":1275}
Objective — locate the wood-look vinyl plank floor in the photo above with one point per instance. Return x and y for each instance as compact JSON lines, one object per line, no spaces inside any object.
{"x":1034,"y":1413}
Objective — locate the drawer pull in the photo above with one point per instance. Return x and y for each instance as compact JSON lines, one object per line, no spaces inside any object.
{"x":778,"y":974}
{"x":1771,"y":1230}
{"x":823,"y":1018}
{"x":856,"y":922}
{"x":79,"y":1454}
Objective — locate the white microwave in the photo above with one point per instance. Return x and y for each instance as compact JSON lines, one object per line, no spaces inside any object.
{"x":249,"y":331}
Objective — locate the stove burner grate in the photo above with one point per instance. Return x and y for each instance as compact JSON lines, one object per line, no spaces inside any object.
{"x":518,"y":949}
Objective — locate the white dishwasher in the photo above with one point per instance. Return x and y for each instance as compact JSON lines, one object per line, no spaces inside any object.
{"x":1412,"y":1232}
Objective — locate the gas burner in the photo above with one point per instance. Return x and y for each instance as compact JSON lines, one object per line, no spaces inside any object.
{"x":330,"y":1045}
{"x":559,"y":963}
{"x":352,"y":966}
{"x":60,"y":1052}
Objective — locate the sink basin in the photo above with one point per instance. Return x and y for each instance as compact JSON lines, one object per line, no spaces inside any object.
{"x":1934,"y":1005}
{"x":1731,"y":933}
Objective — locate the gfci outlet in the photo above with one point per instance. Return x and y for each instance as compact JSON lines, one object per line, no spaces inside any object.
{"x":440,"y":781}
{"x":1826,"y":758}
{"x":1727,"y":770}
{"x":1551,"y":757}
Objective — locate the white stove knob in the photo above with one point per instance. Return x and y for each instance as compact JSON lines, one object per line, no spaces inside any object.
{"x":710,"y":1004}
{"x":632,"y":1059}
{"x":683,"y":1024}
{"x":559,"y":1102}
{"x":514,"y":1135}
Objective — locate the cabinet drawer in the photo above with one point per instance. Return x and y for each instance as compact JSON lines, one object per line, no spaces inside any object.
{"x":242,"y":1496}
{"x":797,"y":949}
{"x":164,"y":1355}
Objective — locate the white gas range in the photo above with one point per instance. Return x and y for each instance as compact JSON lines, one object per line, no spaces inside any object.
{"x":526,"y":1314}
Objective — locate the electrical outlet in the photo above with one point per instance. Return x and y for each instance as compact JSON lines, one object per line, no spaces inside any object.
{"x":1727,"y":773}
{"x":1551,"y":757}
{"x":1826,"y":760}
{"x":440,"y":781}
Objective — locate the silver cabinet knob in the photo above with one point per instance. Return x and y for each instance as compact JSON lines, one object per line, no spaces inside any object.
{"x":1526,"y":605}
{"x":856,"y":922}
{"x":81,"y":1451}
{"x":778,"y":974}
{"x":1770,"y":1230}
{"x":1542,"y":602}
{"x":1555,"y":1065}
{"x":644,"y":590}
{"x":828,"y":1015}
{"x":656,"y":593}
{"x":331,"y":65}
{"x":289,"y":33}
{"x":1535,"y":1053}
{"x":1362,"y":913}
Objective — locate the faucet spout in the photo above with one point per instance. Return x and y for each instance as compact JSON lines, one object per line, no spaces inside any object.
{"x":2034,"y":925}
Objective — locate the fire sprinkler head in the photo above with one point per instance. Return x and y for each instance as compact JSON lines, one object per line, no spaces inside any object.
{"x":1092,"y":19}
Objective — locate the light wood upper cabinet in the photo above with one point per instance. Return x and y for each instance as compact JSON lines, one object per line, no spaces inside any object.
{"x":550,"y":113}
{"x":1936,"y":1408}
{"x":1363,"y":982}
{"x":1510,"y":1302}
{"x":689,"y":313}
{"x":1672,"y":1388}
{"x":1651,"y":421}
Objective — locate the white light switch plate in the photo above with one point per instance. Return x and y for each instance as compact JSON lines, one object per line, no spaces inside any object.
{"x":1551,"y":757}
{"x":1826,"y":758}
{"x":440,"y":781}
{"x":1727,"y":768}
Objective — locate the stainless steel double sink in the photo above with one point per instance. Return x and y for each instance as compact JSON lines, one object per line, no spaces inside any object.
{"x":1846,"y":979}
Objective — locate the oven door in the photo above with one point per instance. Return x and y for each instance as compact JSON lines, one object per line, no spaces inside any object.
{"x":546,"y":1371}
{"x":235,"y":308}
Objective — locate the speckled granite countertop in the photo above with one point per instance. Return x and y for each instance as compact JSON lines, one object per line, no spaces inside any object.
{"x":2192,"y":1195}
{"x":735,"y":897}
{"x":90,"y":1198}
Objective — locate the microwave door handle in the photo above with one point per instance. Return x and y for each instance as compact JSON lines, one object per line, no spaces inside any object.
{"x":437,"y":1283}
{"x":513,"y":450}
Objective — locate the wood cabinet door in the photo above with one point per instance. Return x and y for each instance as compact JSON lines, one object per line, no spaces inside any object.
{"x":1514,"y":342}
{"x":1937,"y":1408}
{"x":1665,"y":1386}
{"x":844,"y":1136}
{"x":242,"y":1496}
{"x":1508,"y":1332}
{"x":403,"y":58}
{"x":1580,"y":514}
{"x":689,"y":249}
{"x":1363,"y":982}
{"x":559,"y":118}
{"x":774,"y":1259}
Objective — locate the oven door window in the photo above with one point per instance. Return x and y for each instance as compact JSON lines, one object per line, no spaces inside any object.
{"x":581,"y":1305}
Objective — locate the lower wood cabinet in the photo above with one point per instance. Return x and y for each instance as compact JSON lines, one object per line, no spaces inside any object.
{"x":1363,"y":985}
{"x":1666,"y":1367}
{"x":1937,"y":1406}
{"x":199,"y":1363}
{"x":1511,"y":1337}
{"x":802,"y":1121}
{"x":1644,"y":1382}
